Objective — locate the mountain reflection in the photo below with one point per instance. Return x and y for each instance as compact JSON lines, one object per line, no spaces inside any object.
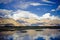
{"x":45,"y":34}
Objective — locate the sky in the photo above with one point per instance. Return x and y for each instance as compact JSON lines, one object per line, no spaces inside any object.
{"x":30,"y":8}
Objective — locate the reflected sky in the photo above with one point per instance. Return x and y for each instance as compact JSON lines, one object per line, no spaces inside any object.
{"x":46,"y":34}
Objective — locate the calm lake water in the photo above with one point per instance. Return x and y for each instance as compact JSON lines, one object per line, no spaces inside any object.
{"x":37,"y":34}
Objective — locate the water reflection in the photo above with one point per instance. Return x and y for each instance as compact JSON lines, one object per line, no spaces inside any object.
{"x":45,"y":34}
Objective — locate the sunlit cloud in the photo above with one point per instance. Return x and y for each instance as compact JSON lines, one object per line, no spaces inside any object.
{"x":18,"y":14}
{"x":25,"y":14}
{"x":48,"y":16}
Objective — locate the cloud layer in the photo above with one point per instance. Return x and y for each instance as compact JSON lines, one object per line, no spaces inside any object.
{"x":26,"y":14}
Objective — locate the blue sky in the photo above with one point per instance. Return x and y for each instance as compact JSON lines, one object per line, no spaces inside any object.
{"x":38,"y":7}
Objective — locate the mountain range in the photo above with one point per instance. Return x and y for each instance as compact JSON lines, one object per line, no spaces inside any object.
{"x":29,"y":22}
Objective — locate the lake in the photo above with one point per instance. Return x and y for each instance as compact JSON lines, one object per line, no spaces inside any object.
{"x":30,"y":34}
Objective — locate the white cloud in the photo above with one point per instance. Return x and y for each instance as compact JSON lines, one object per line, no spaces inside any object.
{"x":5,"y":12}
{"x":58,"y":8}
{"x":25,"y":5}
{"x":47,"y":1}
{"x":48,"y":15}
{"x":6,"y":1}
{"x":25,"y":14}
{"x":37,"y":4}
{"x":53,"y":10}
{"x":17,"y":14}
{"x":22,"y":5}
